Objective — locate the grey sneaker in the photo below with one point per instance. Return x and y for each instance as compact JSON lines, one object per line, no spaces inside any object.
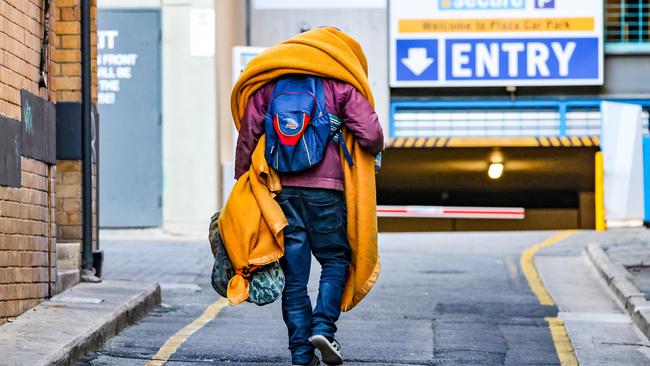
{"x":314,"y":362}
{"x":330,"y":351}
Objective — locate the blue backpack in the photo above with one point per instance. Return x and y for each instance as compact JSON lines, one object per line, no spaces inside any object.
{"x":297,"y":125}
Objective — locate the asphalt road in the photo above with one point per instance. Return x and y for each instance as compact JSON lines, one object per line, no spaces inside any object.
{"x":442,"y":299}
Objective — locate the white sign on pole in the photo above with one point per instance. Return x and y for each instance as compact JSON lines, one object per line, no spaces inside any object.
{"x":467,"y":43}
{"x":202,"y":33}
{"x":241,"y":55}
{"x":622,"y":145}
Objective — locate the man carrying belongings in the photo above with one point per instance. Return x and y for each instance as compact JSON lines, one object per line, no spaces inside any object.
{"x":305,"y":105}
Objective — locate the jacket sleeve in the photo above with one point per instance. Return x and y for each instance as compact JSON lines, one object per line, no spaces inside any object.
{"x":360,"y":118}
{"x":250,"y":131}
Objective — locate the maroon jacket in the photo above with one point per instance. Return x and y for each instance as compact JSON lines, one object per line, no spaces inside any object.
{"x":341,"y":99}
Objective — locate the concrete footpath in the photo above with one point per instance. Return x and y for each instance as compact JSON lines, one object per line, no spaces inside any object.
{"x":625,"y":266}
{"x":61,"y":330}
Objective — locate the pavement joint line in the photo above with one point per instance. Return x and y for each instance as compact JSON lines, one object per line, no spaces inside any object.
{"x":594,"y":317}
{"x":512,"y":268}
{"x":530,"y":271}
{"x":175,"y":341}
{"x":561,"y":341}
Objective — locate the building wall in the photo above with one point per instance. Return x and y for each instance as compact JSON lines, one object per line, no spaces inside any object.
{"x":27,"y":227}
{"x":67,"y":85}
{"x":41,"y":194}
{"x":627,"y":75}
{"x":190,"y":133}
{"x":368,"y":25}
{"x":190,"y":123}
{"x":231,"y":32}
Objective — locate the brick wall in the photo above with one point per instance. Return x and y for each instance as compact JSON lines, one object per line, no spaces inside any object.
{"x":67,"y":81}
{"x":29,"y":211}
{"x":27,"y":240}
{"x":67,"y":75}
{"x":20,"y":48}
{"x":27,"y":228}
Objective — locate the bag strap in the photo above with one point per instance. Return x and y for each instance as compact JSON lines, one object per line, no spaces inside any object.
{"x":336,"y":125}
{"x":346,"y":152}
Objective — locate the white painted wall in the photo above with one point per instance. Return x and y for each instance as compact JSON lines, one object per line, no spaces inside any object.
{"x":191,"y":178}
{"x":622,"y":145}
{"x":190,"y":134}
{"x":273,"y":21}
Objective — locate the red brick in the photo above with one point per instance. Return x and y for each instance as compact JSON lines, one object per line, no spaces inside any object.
{"x":33,"y":212}
{"x":66,"y":3}
{"x":23,"y":275}
{"x":68,"y":96}
{"x":67,"y":83}
{"x":23,"y":243}
{"x":71,"y":205}
{"x":10,"y":226}
{"x":66,"y":56}
{"x":67,"y":27}
{"x":23,"y":291}
{"x":15,"y":308}
{"x":9,"y":194}
{"x":35,"y":197}
{"x":68,"y":191}
{"x":70,"y":70}
{"x":9,"y":209}
{"x":72,"y":178}
{"x":34,"y":181}
{"x":72,"y":13}
{"x":64,"y":219}
{"x":33,"y":166}
{"x":22,"y":259}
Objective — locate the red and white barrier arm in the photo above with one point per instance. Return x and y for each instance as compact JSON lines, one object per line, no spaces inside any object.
{"x":510,"y":213}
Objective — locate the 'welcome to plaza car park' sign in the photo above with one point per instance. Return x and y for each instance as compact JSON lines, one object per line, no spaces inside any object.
{"x":446,"y":43}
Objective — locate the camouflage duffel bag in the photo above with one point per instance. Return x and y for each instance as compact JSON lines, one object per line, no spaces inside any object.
{"x":222,"y":270}
{"x":265,"y":283}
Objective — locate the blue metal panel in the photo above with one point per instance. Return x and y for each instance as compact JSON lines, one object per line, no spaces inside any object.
{"x":130,"y":130}
{"x":625,"y":26}
{"x":563,"y":109}
{"x":391,"y":121}
{"x":562,"y":106}
{"x":646,"y":176}
{"x":627,"y":48}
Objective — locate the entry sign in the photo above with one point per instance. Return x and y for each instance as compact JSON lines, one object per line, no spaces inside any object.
{"x":469,"y":43}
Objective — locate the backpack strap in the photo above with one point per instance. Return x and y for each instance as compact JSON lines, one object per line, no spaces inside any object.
{"x":336,"y":125}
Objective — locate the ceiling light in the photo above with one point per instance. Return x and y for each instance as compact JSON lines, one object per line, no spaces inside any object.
{"x":495,"y":171}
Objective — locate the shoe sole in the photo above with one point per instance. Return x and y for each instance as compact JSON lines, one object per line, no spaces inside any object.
{"x":329,"y":355}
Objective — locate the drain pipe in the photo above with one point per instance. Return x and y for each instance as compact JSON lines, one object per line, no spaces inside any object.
{"x":86,"y":136}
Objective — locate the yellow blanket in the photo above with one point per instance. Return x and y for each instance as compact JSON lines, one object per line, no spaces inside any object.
{"x":327,"y":53}
{"x":251,"y":223}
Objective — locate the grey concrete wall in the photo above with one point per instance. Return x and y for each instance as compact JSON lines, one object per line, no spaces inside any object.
{"x":627,"y":75}
{"x":368,"y":25}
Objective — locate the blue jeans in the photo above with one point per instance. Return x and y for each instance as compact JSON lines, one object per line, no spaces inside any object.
{"x":317,"y":224}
